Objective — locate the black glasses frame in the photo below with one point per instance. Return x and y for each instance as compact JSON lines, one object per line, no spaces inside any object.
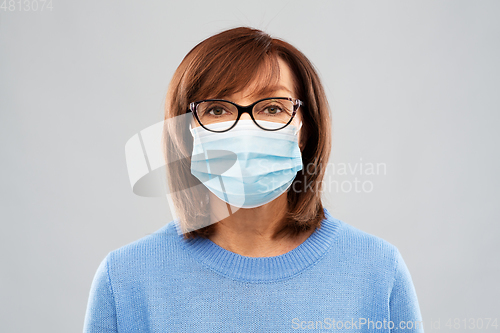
{"x":193,"y":107}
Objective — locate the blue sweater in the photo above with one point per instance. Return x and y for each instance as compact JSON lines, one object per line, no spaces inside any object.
{"x":339,"y":279}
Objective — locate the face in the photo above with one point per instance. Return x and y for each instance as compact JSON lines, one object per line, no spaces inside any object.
{"x":284,"y":88}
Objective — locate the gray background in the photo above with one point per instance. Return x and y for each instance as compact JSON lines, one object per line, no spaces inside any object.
{"x":412,"y":84}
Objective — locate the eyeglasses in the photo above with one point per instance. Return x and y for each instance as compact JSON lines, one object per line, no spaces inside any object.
{"x":270,"y":114}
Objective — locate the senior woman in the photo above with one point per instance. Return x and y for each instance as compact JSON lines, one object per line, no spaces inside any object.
{"x":247,"y":139}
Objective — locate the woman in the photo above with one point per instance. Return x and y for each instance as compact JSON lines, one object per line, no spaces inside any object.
{"x":247,"y":138}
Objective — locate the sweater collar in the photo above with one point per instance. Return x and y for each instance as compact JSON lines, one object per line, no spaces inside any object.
{"x":264,"y":269}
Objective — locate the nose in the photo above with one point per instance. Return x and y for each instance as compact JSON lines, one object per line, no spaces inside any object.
{"x":245,"y":116}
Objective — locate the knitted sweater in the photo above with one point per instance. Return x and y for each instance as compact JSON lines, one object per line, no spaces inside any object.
{"x":340,"y":278}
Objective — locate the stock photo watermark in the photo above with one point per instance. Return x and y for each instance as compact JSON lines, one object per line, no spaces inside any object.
{"x":26,"y":5}
{"x":357,"y":177}
{"x":369,"y":324}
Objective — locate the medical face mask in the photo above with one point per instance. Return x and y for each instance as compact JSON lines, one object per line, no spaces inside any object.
{"x":246,"y":166}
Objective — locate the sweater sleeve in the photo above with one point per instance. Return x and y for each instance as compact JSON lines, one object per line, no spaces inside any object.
{"x":403,"y":303}
{"x":101,"y":310}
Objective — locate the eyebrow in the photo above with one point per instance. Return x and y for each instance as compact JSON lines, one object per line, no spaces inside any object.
{"x":281,"y":88}
{"x":267,"y":90}
{"x":263,"y":92}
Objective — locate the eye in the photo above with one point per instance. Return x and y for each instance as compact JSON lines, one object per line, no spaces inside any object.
{"x":272,"y":109}
{"x":217,"y":111}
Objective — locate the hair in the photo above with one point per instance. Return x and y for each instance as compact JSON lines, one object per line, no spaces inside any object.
{"x":224,"y":64}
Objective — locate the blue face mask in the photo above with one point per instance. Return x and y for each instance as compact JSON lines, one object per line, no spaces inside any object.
{"x":246,"y":166}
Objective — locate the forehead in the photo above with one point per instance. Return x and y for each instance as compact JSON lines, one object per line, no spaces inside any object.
{"x":270,"y":80}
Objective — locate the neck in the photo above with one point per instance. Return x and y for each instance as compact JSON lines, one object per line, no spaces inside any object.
{"x":256,"y":232}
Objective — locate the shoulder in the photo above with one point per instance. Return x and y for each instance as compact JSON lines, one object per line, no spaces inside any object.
{"x":148,"y":250}
{"x":363,"y":250}
{"x":366,"y":244}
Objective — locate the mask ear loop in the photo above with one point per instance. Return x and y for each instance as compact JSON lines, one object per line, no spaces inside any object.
{"x":297,"y":128}
{"x":191,"y":130}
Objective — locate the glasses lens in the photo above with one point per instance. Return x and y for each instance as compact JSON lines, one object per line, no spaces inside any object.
{"x":217,"y":115}
{"x":273,"y":113}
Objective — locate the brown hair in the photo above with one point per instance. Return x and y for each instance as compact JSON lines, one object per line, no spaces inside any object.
{"x":225,"y":64}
